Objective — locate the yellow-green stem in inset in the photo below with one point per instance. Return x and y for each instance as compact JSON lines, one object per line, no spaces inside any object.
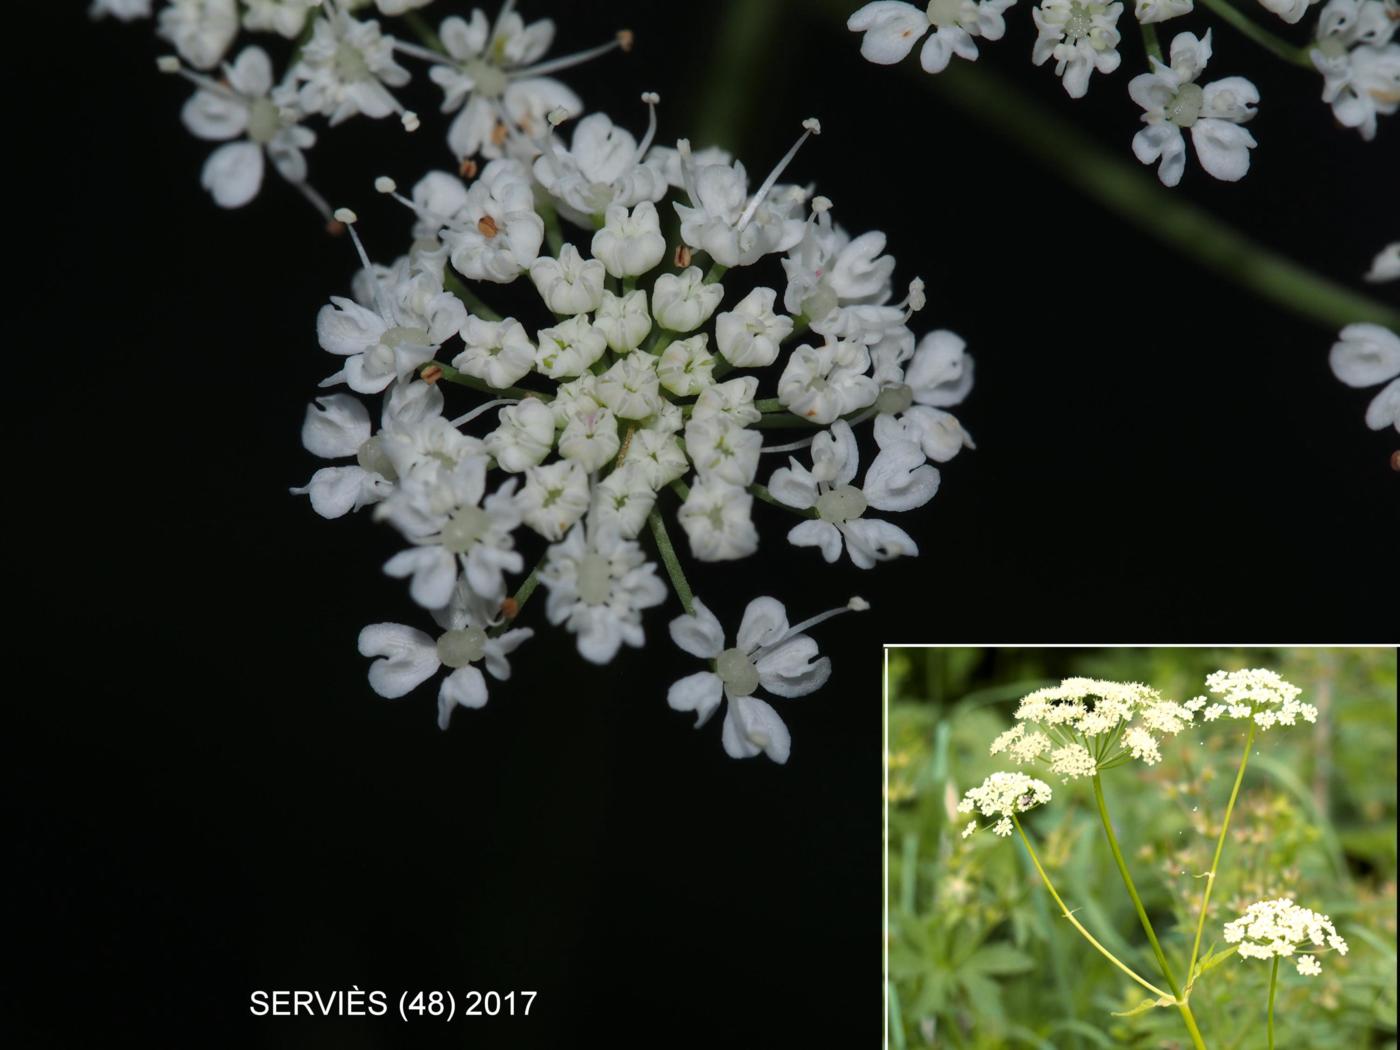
{"x":1273,"y":987}
{"x":1219,"y":848}
{"x":1162,"y":964}
{"x":1077,"y":925}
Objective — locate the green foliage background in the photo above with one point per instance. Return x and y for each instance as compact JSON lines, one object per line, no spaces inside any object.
{"x":978,"y":955}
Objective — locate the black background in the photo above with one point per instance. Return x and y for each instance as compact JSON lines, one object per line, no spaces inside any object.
{"x":209,"y":800}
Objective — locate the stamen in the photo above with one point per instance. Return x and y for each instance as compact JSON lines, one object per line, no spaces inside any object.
{"x":381,"y":301}
{"x":427,"y":54}
{"x":409,"y":120}
{"x":811,"y":126}
{"x":856,"y":604}
{"x":462,"y":420}
{"x":623,"y":40}
{"x":804,"y":443}
{"x":651,"y":98}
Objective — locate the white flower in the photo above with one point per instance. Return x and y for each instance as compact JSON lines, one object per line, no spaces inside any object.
{"x":912,"y":398}
{"x":749,"y":335}
{"x":377,"y":350}
{"x":284,"y":17}
{"x":407,"y":657}
{"x":554,"y":498}
{"x":1259,"y":694}
{"x":723,"y":220}
{"x":497,"y":352}
{"x":347,"y":68}
{"x":524,"y":436}
{"x":722,"y":449}
{"x":242,"y":109}
{"x":827,"y":271}
{"x":897,"y":480}
{"x":490,"y":76}
{"x":682,"y":302}
{"x":1271,"y":928}
{"x":631,"y":387}
{"x":442,"y":511}
{"x":658,"y":455}
{"x":1291,"y":11}
{"x":569,"y":348}
{"x":892,"y":28}
{"x":590,"y":439}
{"x":624,"y":320}
{"x":1360,"y":67}
{"x":570,"y":284}
{"x":1003,"y":794}
{"x":623,"y":499}
{"x":1386,"y":265}
{"x":768,"y":653}
{"x":1150,"y":11}
{"x":1175,"y":102}
{"x":599,"y":583}
{"x":685,"y":367}
{"x":413,"y":285}
{"x":1081,"y":36}
{"x":1089,"y":709}
{"x":126,"y":10}
{"x":602,"y":169}
{"x":200,"y":30}
{"x":338,"y":427}
{"x":718,"y":520}
{"x":826,"y":382}
{"x":630,"y":244}
{"x":496,"y":234}
{"x":732,"y":399}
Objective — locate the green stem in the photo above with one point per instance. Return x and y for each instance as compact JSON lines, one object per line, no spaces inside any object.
{"x":521,"y":596}
{"x":1124,"y":188}
{"x":1273,"y":987}
{"x":672,"y":563}
{"x":454,"y":284}
{"x":553,"y":232}
{"x":1219,"y":848}
{"x":1162,"y":964}
{"x":1076,"y":923}
{"x":424,"y":32}
{"x":1150,"y":42}
{"x":715,"y":273}
{"x":782,"y":421}
{"x":1261,"y":36}
{"x":452,"y":375}
{"x":743,"y":51}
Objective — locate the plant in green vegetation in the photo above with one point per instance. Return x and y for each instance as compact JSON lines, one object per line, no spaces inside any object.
{"x":1085,"y":727}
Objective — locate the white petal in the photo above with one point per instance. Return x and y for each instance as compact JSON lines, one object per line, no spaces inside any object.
{"x":233,"y":174}
{"x":1384,"y":410}
{"x":794,"y":668}
{"x":1223,"y":148}
{"x":765,"y":621}
{"x":1365,"y":354}
{"x":335,"y":426}
{"x":700,"y":692}
{"x":870,"y":540}
{"x":408,"y":658}
{"x":752,"y":726}
{"x":899,"y":480}
{"x":434,"y":573}
{"x":464,"y":687}
{"x":699,"y":635}
{"x":891,"y":30}
{"x":820,"y":534}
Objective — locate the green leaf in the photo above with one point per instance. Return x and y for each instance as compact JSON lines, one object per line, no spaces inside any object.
{"x":1210,"y":960}
{"x":1000,"y":959}
{"x":1145,"y":1005}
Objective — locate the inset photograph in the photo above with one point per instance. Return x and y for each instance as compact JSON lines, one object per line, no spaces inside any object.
{"x":1141,"y":847}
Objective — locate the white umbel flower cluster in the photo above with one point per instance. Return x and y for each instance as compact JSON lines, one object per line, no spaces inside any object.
{"x":1258,"y":694}
{"x":1001,"y":795}
{"x":629,"y":393}
{"x":1086,"y":725}
{"x":1352,"y":47}
{"x":1280,"y":928}
{"x":493,"y":73}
